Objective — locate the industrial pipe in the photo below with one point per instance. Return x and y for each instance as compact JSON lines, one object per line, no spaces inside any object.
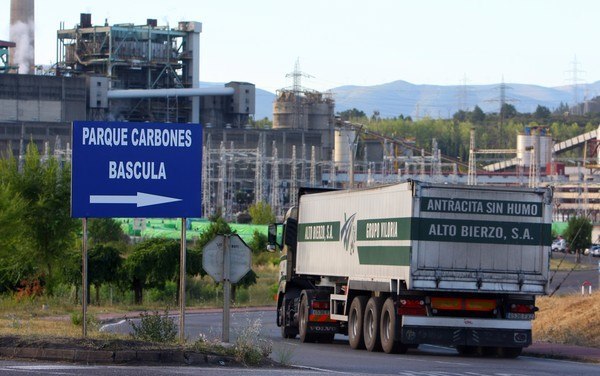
{"x":163,"y":93}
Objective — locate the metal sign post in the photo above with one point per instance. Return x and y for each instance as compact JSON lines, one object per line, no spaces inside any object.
{"x":227,"y":259}
{"x":182,"y":268}
{"x":226,"y":289}
{"x":84,"y":278}
{"x":136,"y":170}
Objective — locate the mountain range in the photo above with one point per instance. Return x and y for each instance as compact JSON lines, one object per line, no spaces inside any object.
{"x":403,"y":98}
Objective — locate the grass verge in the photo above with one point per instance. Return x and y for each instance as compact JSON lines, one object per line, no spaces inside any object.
{"x":568,"y":319}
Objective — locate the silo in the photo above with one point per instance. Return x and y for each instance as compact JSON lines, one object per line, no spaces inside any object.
{"x":527,"y":140}
{"x":22,"y":27}
{"x":283,"y":114}
{"x":344,"y":138}
{"x":320,"y":116}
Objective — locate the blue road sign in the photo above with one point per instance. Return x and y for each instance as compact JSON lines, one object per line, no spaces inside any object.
{"x":136,"y":170}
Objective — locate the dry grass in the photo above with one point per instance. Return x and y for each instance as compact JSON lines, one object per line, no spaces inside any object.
{"x":14,"y":325}
{"x":569,"y":319}
{"x":558,"y":264}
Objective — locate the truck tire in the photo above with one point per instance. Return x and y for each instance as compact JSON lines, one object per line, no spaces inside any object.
{"x":371,"y":324}
{"x":509,"y":352}
{"x":305,"y":336}
{"x":355,"y":322}
{"x":387,"y":325}
{"x":286,"y":330}
{"x":466,"y":350}
{"x":325,"y":337}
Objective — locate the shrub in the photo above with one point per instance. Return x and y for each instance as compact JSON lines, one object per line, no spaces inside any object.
{"x":250,"y":348}
{"x":77,"y":319}
{"x":155,"y":327}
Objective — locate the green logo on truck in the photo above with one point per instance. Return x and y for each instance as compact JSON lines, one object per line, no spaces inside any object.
{"x":492,"y":207}
{"x":383,"y":229}
{"x":489,"y":232}
{"x":319,"y":232}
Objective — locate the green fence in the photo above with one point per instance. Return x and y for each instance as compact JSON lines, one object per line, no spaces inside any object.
{"x":171,"y":228}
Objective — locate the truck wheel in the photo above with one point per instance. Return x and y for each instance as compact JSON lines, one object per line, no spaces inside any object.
{"x":387,"y":326}
{"x":509,"y":352}
{"x":305,"y":336}
{"x":325,"y":337}
{"x":486,"y":351}
{"x":355,"y":322}
{"x":371,"y":324}
{"x":466,"y":350}
{"x":286,"y":330}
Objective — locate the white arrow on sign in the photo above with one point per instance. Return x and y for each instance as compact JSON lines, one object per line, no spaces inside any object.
{"x":140,"y":199}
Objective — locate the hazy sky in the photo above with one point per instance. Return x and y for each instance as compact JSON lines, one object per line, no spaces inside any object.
{"x":361,"y":42}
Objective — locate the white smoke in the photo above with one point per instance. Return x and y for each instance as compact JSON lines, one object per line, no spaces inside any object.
{"x":22,"y":34}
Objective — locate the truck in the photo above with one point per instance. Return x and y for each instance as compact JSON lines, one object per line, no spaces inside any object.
{"x":396,"y":266}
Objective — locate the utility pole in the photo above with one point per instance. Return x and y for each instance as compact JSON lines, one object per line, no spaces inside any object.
{"x":575,"y":79}
{"x":472,"y":174}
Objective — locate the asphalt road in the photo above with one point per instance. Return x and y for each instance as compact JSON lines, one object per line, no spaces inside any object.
{"x":566,"y":282}
{"x":339,"y":358}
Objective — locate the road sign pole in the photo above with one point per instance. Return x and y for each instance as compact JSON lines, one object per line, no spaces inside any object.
{"x":182,"y":268}
{"x":84,"y":279}
{"x":226,"y":288}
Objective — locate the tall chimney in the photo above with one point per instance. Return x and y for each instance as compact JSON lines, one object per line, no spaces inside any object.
{"x":22,"y":27}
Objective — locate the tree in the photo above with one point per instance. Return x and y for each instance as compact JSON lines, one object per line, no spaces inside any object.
{"x":352,"y":113}
{"x":152,"y":263}
{"x":104,"y":230}
{"x":460,"y":115}
{"x":477,"y":115}
{"x":45,"y":187}
{"x":562,"y":109}
{"x":13,"y":267}
{"x":261,"y":213}
{"x":104,"y":265}
{"x":508,"y":111}
{"x":542,"y":112}
{"x":578,"y":233}
{"x":263,"y":123}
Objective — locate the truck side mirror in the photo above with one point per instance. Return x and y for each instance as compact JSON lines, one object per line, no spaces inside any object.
{"x":291,"y":232}
{"x":272,"y":238}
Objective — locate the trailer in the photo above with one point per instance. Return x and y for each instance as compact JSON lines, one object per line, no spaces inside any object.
{"x":396,"y":266}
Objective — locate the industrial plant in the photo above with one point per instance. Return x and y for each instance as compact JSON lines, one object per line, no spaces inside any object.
{"x":150,"y":73}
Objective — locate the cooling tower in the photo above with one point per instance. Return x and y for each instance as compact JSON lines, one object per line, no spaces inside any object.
{"x":22,"y":28}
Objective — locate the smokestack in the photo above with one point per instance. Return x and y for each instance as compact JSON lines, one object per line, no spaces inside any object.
{"x":22,"y":28}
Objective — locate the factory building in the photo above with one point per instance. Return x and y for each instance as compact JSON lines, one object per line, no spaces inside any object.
{"x":108,"y":72}
{"x":39,"y":109}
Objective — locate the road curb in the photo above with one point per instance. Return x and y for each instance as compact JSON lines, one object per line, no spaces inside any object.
{"x":115,"y":357}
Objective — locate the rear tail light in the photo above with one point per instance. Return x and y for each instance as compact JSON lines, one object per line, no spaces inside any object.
{"x":446,"y":304}
{"x":320,"y":305}
{"x":463,"y":304}
{"x":412,"y":307}
{"x":481,"y":305}
{"x":522,"y":308}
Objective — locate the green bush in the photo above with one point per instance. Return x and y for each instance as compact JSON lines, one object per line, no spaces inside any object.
{"x":155,"y":327}
{"x":166,"y":294}
{"x":250,"y":347}
{"x":77,"y":319}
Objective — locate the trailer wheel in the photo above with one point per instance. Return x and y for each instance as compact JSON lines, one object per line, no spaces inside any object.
{"x":509,"y":352}
{"x":355,"y":322}
{"x":305,"y":336}
{"x":466,"y":350}
{"x":371,"y":324}
{"x":387,"y":325}
{"x":286,"y":330}
{"x":325,"y":337}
